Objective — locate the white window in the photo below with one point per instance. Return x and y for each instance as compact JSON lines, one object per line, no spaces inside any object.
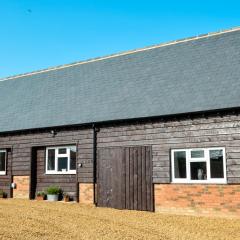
{"x":61,"y":160}
{"x":3,"y":157}
{"x":205,"y":165}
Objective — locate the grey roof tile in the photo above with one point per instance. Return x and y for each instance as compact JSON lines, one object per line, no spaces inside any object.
{"x":189,"y":76}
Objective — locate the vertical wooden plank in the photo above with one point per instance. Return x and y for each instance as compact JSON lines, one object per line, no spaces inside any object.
{"x":127,"y":199}
{"x":144,"y":184}
{"x":148,"y":179}
{"x":99,"y":197}
{"x":123,"y":178}
{"x":116,"y":162}
{"x":135,"y":177}
{"x":151,"y":180}
{"x":148,"y":192}
{"x":139,"y":177}
{"x":131,"y":160}
{"x":109,"y":182}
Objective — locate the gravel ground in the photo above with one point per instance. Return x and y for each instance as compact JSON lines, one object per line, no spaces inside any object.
{"x":23,"y":219}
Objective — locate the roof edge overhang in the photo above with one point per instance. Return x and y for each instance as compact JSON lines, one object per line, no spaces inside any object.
{"x":177,"y":116}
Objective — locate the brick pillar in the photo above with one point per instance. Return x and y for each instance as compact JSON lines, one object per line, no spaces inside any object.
{"x":22,"y":187}
{"x":86,"y":193}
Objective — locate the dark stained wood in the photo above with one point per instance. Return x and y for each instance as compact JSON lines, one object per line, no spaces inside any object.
{"x":20,"y":160}
{"x":127,"y":177}
{"x":5,"y":180}
{"x":131,"y":176}
{"x":139,"y":178}
{"x":135,"y":178}
{"x":162,"y":136}
{"x":66,"y":182}
{"x":120,"y":178}
{"x":144,"y":183}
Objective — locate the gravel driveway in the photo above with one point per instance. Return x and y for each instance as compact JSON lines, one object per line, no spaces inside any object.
{"x":24,"y":219}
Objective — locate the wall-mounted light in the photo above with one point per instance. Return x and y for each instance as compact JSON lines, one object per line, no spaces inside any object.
{"x":53,"y":132}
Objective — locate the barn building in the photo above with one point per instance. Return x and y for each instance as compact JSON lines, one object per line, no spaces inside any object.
{"x":155,"y":129}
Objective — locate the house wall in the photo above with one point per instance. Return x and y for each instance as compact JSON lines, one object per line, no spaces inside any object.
{"x":211,"y":131}
{"x":19,"y":159}
{"x":214,"y":131}
{"x":5,"y":180}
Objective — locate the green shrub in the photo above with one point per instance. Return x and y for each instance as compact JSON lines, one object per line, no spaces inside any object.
{"x":2,"y":194}
{"x":53,"y":190}
{"x":41,"y":193}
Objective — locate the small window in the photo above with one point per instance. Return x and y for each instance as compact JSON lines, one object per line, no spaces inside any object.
{"x":51,"y":160}
{"x":62,"y":151}
{"x":199,"y":165}
{"x":197,"y":154}
{"x":61,"y":160}
{"x":216,"y":164}
{"x":72,"y":158}
{"x":180,"y":164}
{"x":3,"y":157}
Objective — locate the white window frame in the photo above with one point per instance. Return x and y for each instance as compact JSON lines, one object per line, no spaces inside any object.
{"x":5,"y":171}
{"x":206,"y":159}
{"x":57,"y":155}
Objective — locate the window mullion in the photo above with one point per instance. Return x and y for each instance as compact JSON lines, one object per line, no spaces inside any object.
{"x":188,"y":165}
{"x":68,"y":161}
{"x":208,"y":164}
{"x":56,"y":159}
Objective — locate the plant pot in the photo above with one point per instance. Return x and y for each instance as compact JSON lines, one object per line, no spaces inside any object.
{"x":3,"y":195}
{"x":40,"y":198}
{"x":52,"y":197}
{"x":66,"y":199}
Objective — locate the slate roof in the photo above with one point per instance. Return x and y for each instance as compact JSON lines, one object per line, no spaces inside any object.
{"x":190,"y":75}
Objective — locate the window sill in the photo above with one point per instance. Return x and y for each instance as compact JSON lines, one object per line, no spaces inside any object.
{"x":200,"y":182}
{"x":60,"y":173}
{"x":3,"y":174}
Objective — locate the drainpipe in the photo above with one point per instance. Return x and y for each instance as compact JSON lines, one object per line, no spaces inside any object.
{"x":95,"y":130}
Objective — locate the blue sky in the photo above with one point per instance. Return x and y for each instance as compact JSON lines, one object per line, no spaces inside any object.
{"x":38,"y":34}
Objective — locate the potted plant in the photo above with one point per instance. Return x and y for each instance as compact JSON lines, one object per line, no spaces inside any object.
{"x":41,"y":196}
{"x":66,"y":197}
{"x":2,"y":194}
{"x":53,"y":193}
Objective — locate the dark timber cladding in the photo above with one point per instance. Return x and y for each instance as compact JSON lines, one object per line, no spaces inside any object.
{"x":5,"y":180}
{"x":27,"y":151}
{"x":65,"y":181}
{"x":125,"y":178}
{"x":199,"y":132}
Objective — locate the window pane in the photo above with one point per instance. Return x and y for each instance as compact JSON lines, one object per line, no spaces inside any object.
{"x":62,"y":151}
{"x":197,"y":154}
{"x":198,"y":170}
{"x":2,"y":161}
{"x":180,"y":164}
{"x":216,"y":163}
{"x":51,"y":159}
{"x":62,"y":164}
{"x":73,"y":159}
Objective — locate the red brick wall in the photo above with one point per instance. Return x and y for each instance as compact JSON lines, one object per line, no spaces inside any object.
{"x":86,"y":193}
{"x":22,"y":187}
{"x":200,"y":199}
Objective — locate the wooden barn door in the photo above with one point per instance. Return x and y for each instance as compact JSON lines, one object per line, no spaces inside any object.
{"x":124,"y":178}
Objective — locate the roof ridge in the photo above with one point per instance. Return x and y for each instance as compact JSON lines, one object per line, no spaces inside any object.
{"x":182,"y":40}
